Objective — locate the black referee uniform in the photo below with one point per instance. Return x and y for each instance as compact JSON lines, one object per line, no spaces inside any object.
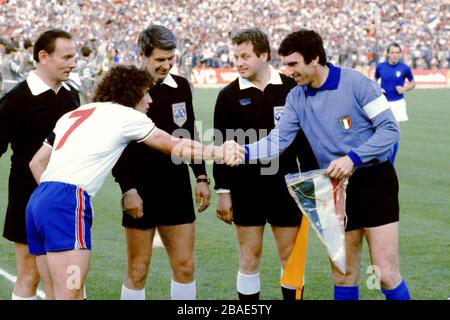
{"x":164,"y":186}
{"x":258,"y":198}
{"x":25,"y":121}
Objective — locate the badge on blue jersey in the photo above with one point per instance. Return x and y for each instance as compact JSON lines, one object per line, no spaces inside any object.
{"x":277,"y":113}
{"x":345,"y":122}
{"x":398,"y":73}
{"x":245,"y":101}
{"x":179,"y":113}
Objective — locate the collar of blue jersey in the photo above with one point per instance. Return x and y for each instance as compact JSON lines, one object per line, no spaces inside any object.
{"x":38,"y":86}
{"x":170,"y":81}
{"x":275,"y":78}
{"x":331,"y":83}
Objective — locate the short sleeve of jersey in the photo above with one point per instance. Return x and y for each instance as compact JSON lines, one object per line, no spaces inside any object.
{"x":136,"y":126}
{"x":377,"y":72}
{"x":408,"y":74}
{"x":50,"y":140}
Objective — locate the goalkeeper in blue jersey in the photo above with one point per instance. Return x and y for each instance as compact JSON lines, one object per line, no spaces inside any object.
{"x":352,"y":131}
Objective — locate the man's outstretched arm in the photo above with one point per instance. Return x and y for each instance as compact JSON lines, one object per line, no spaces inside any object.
{"x":229,"y":153}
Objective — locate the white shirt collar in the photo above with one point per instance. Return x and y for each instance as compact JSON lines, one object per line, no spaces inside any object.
{"x":170,"y":81}
{"x":275,"y":79}
{"x":38,"y":86}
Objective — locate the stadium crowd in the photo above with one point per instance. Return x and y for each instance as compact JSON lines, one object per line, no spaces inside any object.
{"x":356,"y":32}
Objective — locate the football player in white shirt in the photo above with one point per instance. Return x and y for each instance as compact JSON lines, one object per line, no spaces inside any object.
{"x":87,"y":142}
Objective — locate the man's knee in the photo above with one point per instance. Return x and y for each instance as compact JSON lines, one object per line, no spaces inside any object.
{"x":28,"y":277}
{"x":389,"y":275}
{"x":284,"y":255}
{"x":249,"y":261}
{"x":184,"y":269}
{"x":137,"y":273}
{"x":350,"y":278}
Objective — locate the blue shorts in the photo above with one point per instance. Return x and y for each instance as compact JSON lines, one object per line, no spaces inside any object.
{"x":58,"y":218}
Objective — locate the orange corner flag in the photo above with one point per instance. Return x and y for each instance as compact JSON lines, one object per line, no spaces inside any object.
{"x":294,"y":272}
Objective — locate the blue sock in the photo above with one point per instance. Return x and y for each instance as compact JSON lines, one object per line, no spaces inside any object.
{"x":399,"y":293}
{"x":394,"y":153}
{"x":346,"y":293}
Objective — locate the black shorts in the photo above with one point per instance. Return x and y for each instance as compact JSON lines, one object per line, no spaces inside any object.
{"x":164,"y":204}
{"x":264,"y":202}
{"x":372,"y":197}
{"x":19,"y":192}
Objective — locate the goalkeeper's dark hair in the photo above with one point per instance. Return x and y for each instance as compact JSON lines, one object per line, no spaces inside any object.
{"x":308,"y":43}
{"x":256,"y":37}
{"x":123,"y":84}
{"x":156,"y":36}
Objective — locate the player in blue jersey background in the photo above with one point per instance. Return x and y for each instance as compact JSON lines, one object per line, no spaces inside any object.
{"x":393,"y":74}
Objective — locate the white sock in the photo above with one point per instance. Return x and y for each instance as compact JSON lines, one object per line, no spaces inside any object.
{"x":183,"y":291}
{"x":14,"y":297}
{"x":130,"y":294}
{"x":248,"y":283}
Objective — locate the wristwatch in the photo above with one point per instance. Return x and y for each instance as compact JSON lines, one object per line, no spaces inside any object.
{"x":206,"y":180}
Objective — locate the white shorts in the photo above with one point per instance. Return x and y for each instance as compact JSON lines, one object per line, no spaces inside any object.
{"x":399,"y":110}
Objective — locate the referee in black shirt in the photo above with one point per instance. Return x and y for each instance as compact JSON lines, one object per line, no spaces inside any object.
{"x":156,"y":191}
{"x":252,"y":195}
{"x":28,"y":114}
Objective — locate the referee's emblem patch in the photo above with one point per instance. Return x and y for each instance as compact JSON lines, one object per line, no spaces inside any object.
{"x":345,"y":122}
{"x":245,"y":101}
{"x":277,"y":113}
{"x":179,"y":113}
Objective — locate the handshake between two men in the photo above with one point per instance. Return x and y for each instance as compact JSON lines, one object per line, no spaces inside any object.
{"x":229,"y":153}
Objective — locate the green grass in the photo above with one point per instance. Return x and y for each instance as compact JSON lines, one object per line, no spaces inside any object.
{"x":423,"y":168}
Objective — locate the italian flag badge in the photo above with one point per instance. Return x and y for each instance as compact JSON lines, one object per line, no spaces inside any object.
{"x":345,"y":122}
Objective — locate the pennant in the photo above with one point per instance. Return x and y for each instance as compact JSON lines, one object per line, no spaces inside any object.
{"x":322,"y":200}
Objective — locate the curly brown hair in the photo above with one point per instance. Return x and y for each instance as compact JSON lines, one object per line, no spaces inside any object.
{"x":123,"y":84}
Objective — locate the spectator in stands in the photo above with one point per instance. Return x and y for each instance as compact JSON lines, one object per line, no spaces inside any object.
{"x":209,"y":24}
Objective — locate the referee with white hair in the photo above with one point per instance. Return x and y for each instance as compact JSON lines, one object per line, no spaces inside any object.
{"x":157,"y":192}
